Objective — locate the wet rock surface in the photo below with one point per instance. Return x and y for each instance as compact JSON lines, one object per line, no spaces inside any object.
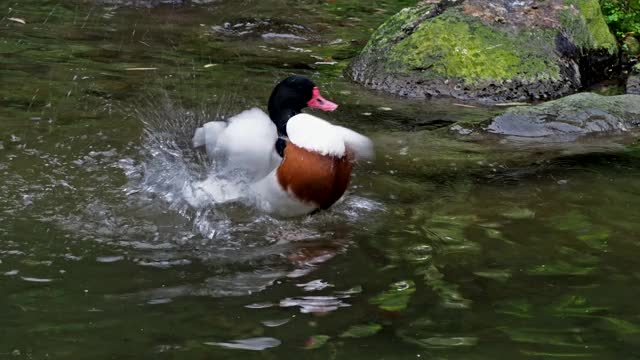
{"x":572,"y":116}
{"x":492,"y":51}
{"x":633,"y":82}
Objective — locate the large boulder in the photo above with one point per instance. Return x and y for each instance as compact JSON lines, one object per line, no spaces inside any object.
{"x":492,"y":50}
{"x":571,"y":116}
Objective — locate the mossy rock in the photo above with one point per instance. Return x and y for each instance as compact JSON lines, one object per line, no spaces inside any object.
{"x":495,"y":50}
{"x":631,"y":46}
{"x":571,"y":116}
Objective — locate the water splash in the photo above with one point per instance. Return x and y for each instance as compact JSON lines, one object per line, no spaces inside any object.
{"x":220,"y":204}
{"x":165,"y":217}
{"x":183,"y":177}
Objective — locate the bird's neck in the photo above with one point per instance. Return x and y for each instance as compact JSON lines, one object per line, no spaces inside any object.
{"x":280,"y":117}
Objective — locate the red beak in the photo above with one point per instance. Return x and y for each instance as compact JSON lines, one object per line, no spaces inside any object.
{"x":318,"y":102}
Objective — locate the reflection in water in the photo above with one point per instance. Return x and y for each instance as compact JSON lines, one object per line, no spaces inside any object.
{"x":315,"y":304}
{"x":444,"y":248}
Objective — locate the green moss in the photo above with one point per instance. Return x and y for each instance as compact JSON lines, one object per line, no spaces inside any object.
{"x":392,"y":29}
{"x":456,"y":46}
{"x":636,"y":68}
{"x":589,"y":30}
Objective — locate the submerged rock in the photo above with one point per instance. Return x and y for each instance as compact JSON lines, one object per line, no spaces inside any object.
{"x":571,"y":116}
{"x":633,"y":82}
{"x":631,"y":46}
{"x":491,"y":50}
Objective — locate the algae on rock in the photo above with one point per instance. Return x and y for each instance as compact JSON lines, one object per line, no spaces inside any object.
{"x":494,"y":50}
{"x":588,"y":26}
{"x":460,"y":47}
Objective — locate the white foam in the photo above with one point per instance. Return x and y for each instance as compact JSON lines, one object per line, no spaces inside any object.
{"x":214,"y":190}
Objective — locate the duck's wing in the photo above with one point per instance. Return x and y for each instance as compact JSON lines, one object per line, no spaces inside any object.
{"x":315,"y":134}
{"x":360,"y":145}
{"x":246,"y":142}
{"x":208,"y":136}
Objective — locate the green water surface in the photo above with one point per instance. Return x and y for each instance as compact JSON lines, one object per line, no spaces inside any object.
{"x":442,"y":249}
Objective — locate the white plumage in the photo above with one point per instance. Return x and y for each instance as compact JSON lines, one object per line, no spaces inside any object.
{"x":315,"y":134}
{"x":247,"y":143}
{"x":270,"y":197}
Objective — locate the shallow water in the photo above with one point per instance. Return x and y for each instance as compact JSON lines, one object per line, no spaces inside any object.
{"x":441,"y":249}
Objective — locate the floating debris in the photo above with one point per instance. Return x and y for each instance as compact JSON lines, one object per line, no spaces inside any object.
{"x":37,"y":280}
{"x":314,"y":304}
{"x":315,"y":285}
{"x":297,"y":49}
{"x":17,"y":20}
{"x":259,"y":305}
{"x":159,"y":301}
{"x":465,"y":105}
{"x":109,"y":259}
{"x":257,"y":344}
{"x":513,"y":104}
{"x":141,"y":69}
{"x":270,"y":36}
{"x":275,"y":323}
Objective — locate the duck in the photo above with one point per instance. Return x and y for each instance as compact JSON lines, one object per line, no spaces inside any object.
{"x":296,"y":163}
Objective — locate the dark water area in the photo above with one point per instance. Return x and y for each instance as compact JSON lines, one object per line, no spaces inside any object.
{"x":442,"y":248}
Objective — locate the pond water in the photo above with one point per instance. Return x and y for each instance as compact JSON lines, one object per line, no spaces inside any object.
{"x":442,"y":248}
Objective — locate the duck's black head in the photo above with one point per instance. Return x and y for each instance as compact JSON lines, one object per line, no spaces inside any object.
{"x":292,"y":95}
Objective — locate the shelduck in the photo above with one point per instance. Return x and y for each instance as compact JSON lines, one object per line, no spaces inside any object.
{"x":295,"y":162}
